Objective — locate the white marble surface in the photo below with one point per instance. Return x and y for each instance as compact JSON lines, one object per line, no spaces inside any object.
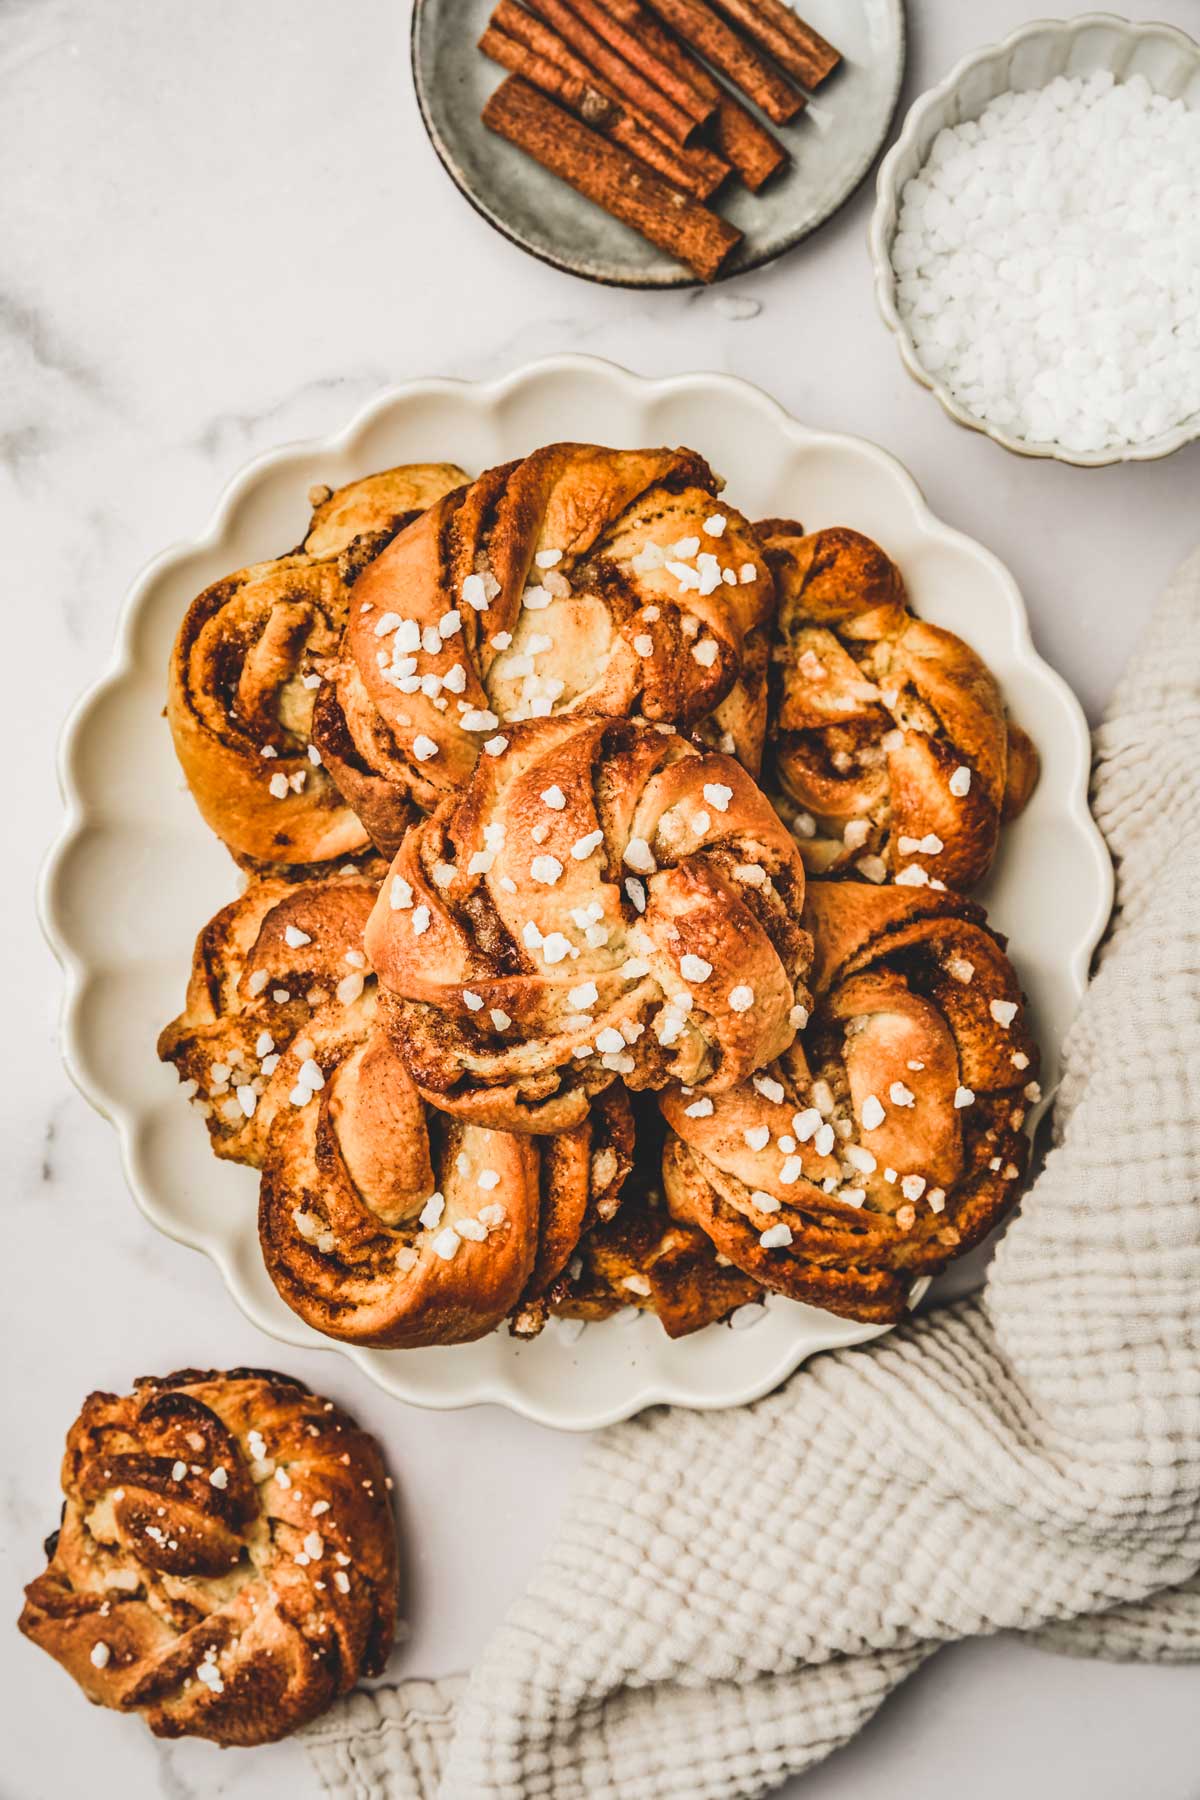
{"x":223,"y":228}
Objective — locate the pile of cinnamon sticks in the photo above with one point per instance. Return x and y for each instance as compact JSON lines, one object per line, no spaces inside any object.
{"x":611,"y":95}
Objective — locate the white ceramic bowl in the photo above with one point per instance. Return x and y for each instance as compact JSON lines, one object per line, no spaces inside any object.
{"x":1031,"y":58}
{"x":135,"y":872}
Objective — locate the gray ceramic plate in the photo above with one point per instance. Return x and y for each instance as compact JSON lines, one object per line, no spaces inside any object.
{"x":832,"y":144}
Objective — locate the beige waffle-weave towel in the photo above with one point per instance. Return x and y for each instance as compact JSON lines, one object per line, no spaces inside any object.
{"x":731,"y":1595}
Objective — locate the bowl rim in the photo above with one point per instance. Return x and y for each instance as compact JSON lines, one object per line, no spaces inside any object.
{"x":652,"y":1386}
{"x":882,"y":224}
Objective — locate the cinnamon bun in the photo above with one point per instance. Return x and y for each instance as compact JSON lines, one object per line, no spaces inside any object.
{"x":577,"y":580}
{"x":247,"y":665}
{"x":605,"y":900}
{"x":226,"y":1562}
{"x":888,"y":1140}
{"x":890,"y":734}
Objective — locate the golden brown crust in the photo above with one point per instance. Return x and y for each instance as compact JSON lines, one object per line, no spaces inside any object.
{"x":226,"y":1563}
{"x":890,"y":734}
{"x":658,"y":1264}
{"x":343,"y":1194}
{"x":595,"y":1160}
{"x":466,"y":632}
{"x":1020,"y":777}
{"x":385,"y":1222}
{"x":375,"y":504}
{"x":646,"y":1259}
{"x":605,"y":900}
{"x":246,"y":665}
{"x":888,"y":1140}
{"x":381,"y":804}
{"x":380,"y":1221}
{"x":263,"y":999}
{"x":738,"y":726}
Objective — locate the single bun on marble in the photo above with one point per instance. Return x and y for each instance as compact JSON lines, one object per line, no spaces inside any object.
{"x":604,"y":901}
{"x":888,"y":1140}
{"x":889,"y":733}
{"x":226,"y":1563}
{"x":247,"y":665}
{"x":380,"y":1220}
{"x":577,"y":579}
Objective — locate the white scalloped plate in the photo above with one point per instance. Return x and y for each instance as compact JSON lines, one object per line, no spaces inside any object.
{"x":135,"y":873}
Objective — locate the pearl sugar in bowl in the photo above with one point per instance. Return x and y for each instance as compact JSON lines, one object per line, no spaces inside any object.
{"x":1040,"y":261}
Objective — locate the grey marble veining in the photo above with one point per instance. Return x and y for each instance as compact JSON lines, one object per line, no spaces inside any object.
{"x":223,"y":229}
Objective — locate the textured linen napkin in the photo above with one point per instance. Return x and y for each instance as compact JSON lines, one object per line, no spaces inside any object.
{"x":732,"y":1595}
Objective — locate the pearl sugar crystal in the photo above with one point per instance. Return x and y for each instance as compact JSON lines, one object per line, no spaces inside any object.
{"x":1048,"y":262}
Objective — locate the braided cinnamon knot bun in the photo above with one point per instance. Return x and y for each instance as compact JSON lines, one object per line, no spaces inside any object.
{"x":226,"y":1561}
{"x":247,"y":663}
{"x":888,"y":1140}
{"x":279,"y":990}
{"x":380,"y":1220}
{"x":576,"y":580}
{"x":604,"y":900}
{"x":890,"y":733}
{"x":383,"y":1221}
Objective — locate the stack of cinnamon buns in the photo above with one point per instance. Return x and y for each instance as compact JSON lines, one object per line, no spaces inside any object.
{"x":605,"y":939}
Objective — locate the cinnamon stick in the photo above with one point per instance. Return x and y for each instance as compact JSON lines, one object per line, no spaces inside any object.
{"x":710,"y":169}
{"x":737,"y":134}
{"x":648,"y":98}
{"x":640,"y":54}
{"x":570,"y":90}
{"x":720,"y":45}
{"x":796,"y":47}
{"x":607,"y":174}
{"x":749,"y":146}
{"x":698,"y":172}
{"x":707,"y":171}
{"x":537,"y":36}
